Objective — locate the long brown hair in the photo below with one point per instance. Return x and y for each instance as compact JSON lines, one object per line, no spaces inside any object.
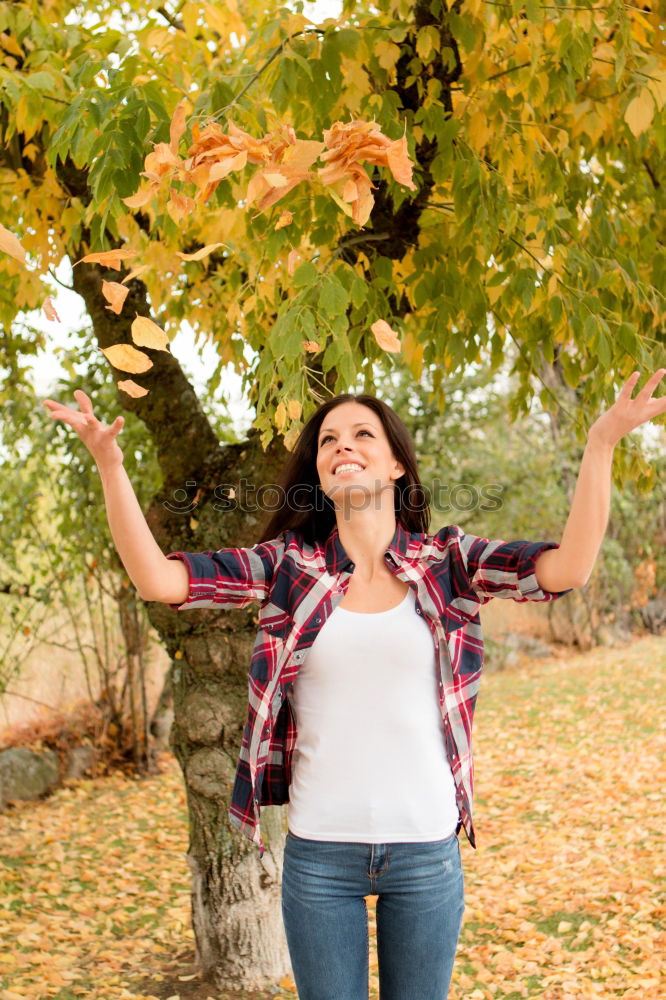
{"x":299,"y":479}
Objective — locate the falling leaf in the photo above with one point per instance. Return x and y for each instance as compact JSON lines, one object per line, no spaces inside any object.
{"x":640,"y":112}
{"x":145,"y":333}
{"x":177,"y":127}
{"x":115,"y":293}
{"x":199,"y":254}
{"x":294,"y":409}
{"x":399,"y":162}
{"x":292,"y":260}
{"x":285,"y":219}
{"x":223,"y":168}
{"x":162,"y":162}
{"x":126,"y":358}
{"x":136,"y":272}
{"x":141,"y":198}
{"x":50,"y":310}
{"x":112,"y":258}
{"x":311,"y":346}
{"x":349,"y":146}
{"x":385,"y":336}
{"x":132,"y":389}
{"x":11,"y":244}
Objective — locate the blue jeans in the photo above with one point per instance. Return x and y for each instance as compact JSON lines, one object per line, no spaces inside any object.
{"x":419,"y":913}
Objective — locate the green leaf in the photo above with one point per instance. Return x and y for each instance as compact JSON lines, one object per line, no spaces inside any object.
{"x":305,"y":275}
{"x":333,"y":298}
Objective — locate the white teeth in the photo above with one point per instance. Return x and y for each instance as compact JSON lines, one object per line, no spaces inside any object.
{"x":346,"y":468}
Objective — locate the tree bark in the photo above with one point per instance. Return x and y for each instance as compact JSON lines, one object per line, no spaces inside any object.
{"x":235,"y":897}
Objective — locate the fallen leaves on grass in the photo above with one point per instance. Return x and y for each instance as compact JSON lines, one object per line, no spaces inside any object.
{"x":561,"y":896}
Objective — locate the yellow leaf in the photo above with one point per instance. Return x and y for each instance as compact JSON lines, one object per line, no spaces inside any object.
{"x":132,"y":389}
{"x":656,"y":86}
{"x":10,"y":44}
{"x":200,"y":254}
{"x":292,"y":260}
{"x":385,"y":336}
{"x":126,"y":358}
{"x":478,"y":130}
{"x":50,"y":310}
{"x":177,"y":127}
{"x":427,"y":40}
{"x":280,"y":415}
{"x":387,"y":53}
{"x":115,"y":293}
{"x":111,"y":258}
{"x":291,"y":437}
{"x":294,"y":409}
{"x":145,"y":333}
{"x":10,"y":244}
{"x":640,"y":112}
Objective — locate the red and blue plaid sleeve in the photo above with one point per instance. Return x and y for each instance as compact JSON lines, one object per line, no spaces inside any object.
{"x":503,"y":569}
{"x":230,"y":578}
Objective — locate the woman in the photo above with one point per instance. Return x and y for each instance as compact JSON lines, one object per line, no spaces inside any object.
{"x":364,"y":675}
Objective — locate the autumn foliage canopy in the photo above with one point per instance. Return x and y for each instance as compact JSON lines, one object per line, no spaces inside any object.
{"x":405,"y":184}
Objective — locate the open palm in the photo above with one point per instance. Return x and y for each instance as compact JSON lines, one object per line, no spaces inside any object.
{"x":99,"y":439}
{"x":626,"y":414}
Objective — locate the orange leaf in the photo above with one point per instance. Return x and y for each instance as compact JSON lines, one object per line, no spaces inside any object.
{"x":11,"y":244}
{"x":301,"y":154}
{"x":141,"y":198}
{"x":200,"y":254}
{"x":177,"y":127}
{"x":111,"y":258}
{"x":294,"y":409}
{"x":145,"y":333}
{"x":224,"y":166}
{"x":399,"y":162}
{"x":385,"y":336}
{"x":275,"y":179}
{"x":292,"y":260}
{"x":116,"y":294}
{"x":132,"y":389}
{"x":179,"y":205}
{"x":126,"y":358}
{"x":311,"y":346}
{"x":50,"y":310}
{"x":135,"y":272}
{"x":285,"y":219}
{"x":160,"y":162}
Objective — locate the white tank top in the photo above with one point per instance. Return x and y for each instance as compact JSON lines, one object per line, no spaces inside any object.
{"x":370,"y":763}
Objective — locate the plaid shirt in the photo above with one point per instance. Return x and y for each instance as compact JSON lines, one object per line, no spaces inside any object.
{"x":451,"y":573}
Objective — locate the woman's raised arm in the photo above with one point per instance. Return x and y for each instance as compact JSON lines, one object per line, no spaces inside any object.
{"x":155,"y":577}
{"x":571,"y":564}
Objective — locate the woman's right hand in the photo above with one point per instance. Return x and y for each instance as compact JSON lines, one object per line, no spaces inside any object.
{"x":99,"y":439}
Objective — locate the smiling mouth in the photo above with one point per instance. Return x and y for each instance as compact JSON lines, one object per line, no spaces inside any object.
{"x":348,"y":467}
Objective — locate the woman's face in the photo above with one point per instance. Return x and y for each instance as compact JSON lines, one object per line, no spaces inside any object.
{"x":353,"y":452}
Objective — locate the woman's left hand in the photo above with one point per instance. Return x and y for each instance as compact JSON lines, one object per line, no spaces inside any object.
{"x":626,"y":413}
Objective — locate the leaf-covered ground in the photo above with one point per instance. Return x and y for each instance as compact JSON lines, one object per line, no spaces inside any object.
{"x":565,"y":894}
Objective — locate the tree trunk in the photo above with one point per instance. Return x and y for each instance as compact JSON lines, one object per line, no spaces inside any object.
{"x":235,"y":896}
